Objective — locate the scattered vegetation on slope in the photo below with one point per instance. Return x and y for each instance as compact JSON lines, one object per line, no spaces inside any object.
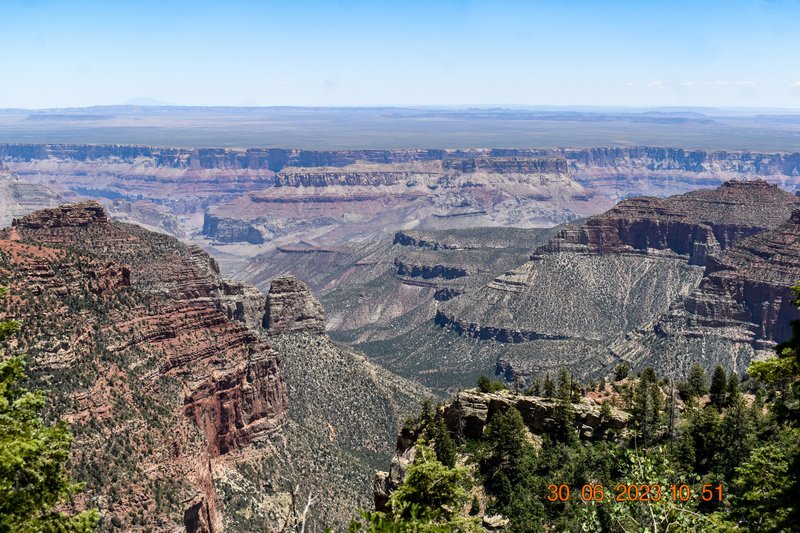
{"x":34,"y":481}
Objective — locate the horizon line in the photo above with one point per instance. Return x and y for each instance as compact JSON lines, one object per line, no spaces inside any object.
{"x":448,"y":107}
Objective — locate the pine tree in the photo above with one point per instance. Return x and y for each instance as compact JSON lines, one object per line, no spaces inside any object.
{"x":563,"y":429}
{"x":719,"y":384}
{"x":427,"y":412}
{"x":443,"y":443}
{"x":698,"y":381}
{"x":564,"y":383}
{"x":549,"y":387}
{"x":701,"y":439}
{"x":621,"y":372}
{"x":732,"y":389}
{"x":782,"y":375}
{"x":509,"y":450}
{"x":737,"y":435}
{"x":647,"y":404}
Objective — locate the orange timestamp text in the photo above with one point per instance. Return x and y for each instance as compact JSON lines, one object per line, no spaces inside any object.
{"x":632,"y":492}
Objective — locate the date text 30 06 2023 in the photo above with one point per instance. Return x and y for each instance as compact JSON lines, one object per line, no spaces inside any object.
{"x":644,"y":492}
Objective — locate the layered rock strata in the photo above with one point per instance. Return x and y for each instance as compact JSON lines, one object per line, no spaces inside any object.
{"x":695,"y":225}
{"x":158,"y":263}
{"x":741,"y":308}
{"x":600,"y":288}
{"x":228,"y":230}
{"x":292,"y":307}
{"x":165,"y":376}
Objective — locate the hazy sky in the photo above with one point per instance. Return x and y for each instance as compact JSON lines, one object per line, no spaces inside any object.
{"x":637,"y":53}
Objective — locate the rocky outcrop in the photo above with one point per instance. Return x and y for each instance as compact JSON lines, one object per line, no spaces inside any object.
{"x":348,"y":408}
{"x":488,"y":332}
{"x":506,"y":165}
{"x":228,"y":230}
{"x":642,"y":292}
{"x":211,"y":158}
{"x":654,"y":159}
{"x":757,"y":274}
{"x":413,"y":270}
{"x":242,"y":405}
{"x":385,"y":483}
{"x":67,"y":216}
{"x":157,"y":263}
{"x":416,"y":239}
{"x":471,"y":411}
{"x":329,"y":178}
{"x":695,"y":225}
{"x":295,"y":192}
{"x":280,"y":198}
{"x":181,"y":407}
{"x":645,"y":157}
{"x":292,"y":308}
{"x":740,"y":310}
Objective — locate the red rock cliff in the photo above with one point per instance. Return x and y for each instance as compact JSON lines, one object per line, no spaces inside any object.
{"x":130,"y":331}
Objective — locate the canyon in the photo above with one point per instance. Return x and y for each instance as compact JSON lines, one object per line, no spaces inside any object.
{"x":663,"y":282}
{"x":394,"y":240}
{"x":231,"y":330}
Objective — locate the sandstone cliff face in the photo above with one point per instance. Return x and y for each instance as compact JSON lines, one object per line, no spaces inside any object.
{"x":164,"y":375}
{"x":292,"y":307}
{"x":220,"y":158}
{"x":223,"y":229}
{"x":645,"y":158}
{"x":411,"y":238}
{"x":343,"y":414}
{"x":330,"y":178}
{"x":406,"y":267}
{"x":183,"y":417}
{"x":696,"y":225}
{"x":741,"y":308}
{"x":757,"y":273}
{"x":507,"y":165}
{"x":298,"y":190}
{"x":262,"y":195}
{"x":526,"y":188}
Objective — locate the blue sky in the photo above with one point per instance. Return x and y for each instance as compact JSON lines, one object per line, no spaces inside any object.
{"x":595,"y":53}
